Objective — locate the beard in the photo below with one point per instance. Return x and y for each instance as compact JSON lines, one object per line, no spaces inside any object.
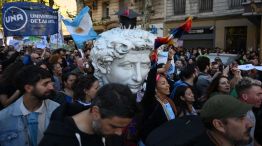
{"x":96,"y":125}
{"x":44,"y":96}
{"x":241,"y":142}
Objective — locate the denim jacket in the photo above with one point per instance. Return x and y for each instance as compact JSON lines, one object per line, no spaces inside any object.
{"x":13,"y":127}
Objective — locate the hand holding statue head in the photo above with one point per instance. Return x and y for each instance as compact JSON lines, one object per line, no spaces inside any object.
{"x":122,"y":56}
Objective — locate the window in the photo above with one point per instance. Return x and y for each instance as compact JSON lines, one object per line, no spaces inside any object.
{"x":179,"y":7}
{"x":235,"y":4}
{"x":205,"y":5}
{"x":236,"y":38}
{"x":95,"y":5}
{"x":105,"y":10}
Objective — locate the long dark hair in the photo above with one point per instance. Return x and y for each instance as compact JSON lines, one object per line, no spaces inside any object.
{"x":181,"y":104}
{"x":149,"y":96}
{"x":81,"y":84}
{"x":9,"y":73}
{"x":213,"y":87}
{"x":66,"y":76}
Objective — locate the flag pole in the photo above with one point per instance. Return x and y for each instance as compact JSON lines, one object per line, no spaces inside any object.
{"x":81,"y":53}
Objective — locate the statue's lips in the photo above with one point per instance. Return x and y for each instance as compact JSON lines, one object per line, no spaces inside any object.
{"x":134,"y":86}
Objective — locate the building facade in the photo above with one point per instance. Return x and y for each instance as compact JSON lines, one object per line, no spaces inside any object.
{"x":104,"y":13}
{"x":253,"y":11}
{"x":216,"y":23}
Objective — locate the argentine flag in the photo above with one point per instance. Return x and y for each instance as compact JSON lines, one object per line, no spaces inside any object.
{"x":81,"y":28}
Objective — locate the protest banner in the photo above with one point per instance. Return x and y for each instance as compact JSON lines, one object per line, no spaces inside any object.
{"x":17,"y":44}
{"x":225,"y":58}
{"x":247,"y":67}
{"x":57,"y":40}
{"x":36,"y":41}
{"x":29,"y":19}
{"x":1,"y":38}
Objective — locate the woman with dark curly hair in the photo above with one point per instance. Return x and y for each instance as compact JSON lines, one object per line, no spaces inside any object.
{"x":8,"y":91}
{"x":85,"y":89}
{"x":219,"y":85}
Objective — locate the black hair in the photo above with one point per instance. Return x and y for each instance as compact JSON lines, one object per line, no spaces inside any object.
{"x":187,"y":72}
{"x":213,"y":87}
{"x":57,"y":51}
{"x":9,"y":72}
{"x":66,"y":76}
{"x":208,"y":124}
{"x":214,"y":63}
{"x":115,"y":100}
{"x":150,"y":91}
{"x":51,"y":67}
{"x":202,"y":62}
{"x":181,"y":105}
{"x":81,"y":84}
{"x":30,"y":75}
{"x":42,"y":62}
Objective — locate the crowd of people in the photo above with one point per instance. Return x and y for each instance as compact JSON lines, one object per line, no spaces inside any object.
{"x":53,"y":98}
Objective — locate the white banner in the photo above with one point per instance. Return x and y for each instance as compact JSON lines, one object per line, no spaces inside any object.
{"x":247,"y":67}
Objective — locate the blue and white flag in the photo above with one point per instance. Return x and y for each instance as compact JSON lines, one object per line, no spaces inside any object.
{"x":246,"y":67}
{"x":81,"y":28}
{"x":17,"y":44}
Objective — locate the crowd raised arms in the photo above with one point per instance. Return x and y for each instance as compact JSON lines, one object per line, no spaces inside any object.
{"x":123,"y":87}
{"x":36,"y":81}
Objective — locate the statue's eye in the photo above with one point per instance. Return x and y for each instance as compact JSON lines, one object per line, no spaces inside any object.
{"x":126,"y":65}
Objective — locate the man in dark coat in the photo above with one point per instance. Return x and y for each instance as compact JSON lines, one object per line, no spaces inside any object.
{"x":110,"y":112}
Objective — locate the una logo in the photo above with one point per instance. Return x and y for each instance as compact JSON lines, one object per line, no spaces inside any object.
{"x":14,"y":19}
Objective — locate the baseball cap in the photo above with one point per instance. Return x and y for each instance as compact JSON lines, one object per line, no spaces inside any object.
{"x":223,"y":106}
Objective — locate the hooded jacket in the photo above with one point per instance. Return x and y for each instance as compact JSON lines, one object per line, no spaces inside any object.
{"x":63,"y":131}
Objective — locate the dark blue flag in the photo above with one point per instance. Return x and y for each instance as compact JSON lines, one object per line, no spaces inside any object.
{"x":29,"y":19}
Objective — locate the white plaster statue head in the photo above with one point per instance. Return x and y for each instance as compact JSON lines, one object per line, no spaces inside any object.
{"x":122,"y":56}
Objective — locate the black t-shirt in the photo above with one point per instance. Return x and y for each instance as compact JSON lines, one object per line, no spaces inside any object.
{"x":258,"y":128}
{"x":202,"y":140}
{"x":66,"y":133}
{"x":8,"y":90}
{"x":86,"y":139}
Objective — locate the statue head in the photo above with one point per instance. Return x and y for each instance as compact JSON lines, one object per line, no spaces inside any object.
{"x":122,"y":56}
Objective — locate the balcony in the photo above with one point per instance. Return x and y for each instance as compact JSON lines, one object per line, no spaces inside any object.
{"x":205,"y":6}
{"x":179,"y":7}
{"x":235,"y":4}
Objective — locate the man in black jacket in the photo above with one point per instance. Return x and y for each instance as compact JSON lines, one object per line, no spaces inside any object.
{"x":74,"y":125}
